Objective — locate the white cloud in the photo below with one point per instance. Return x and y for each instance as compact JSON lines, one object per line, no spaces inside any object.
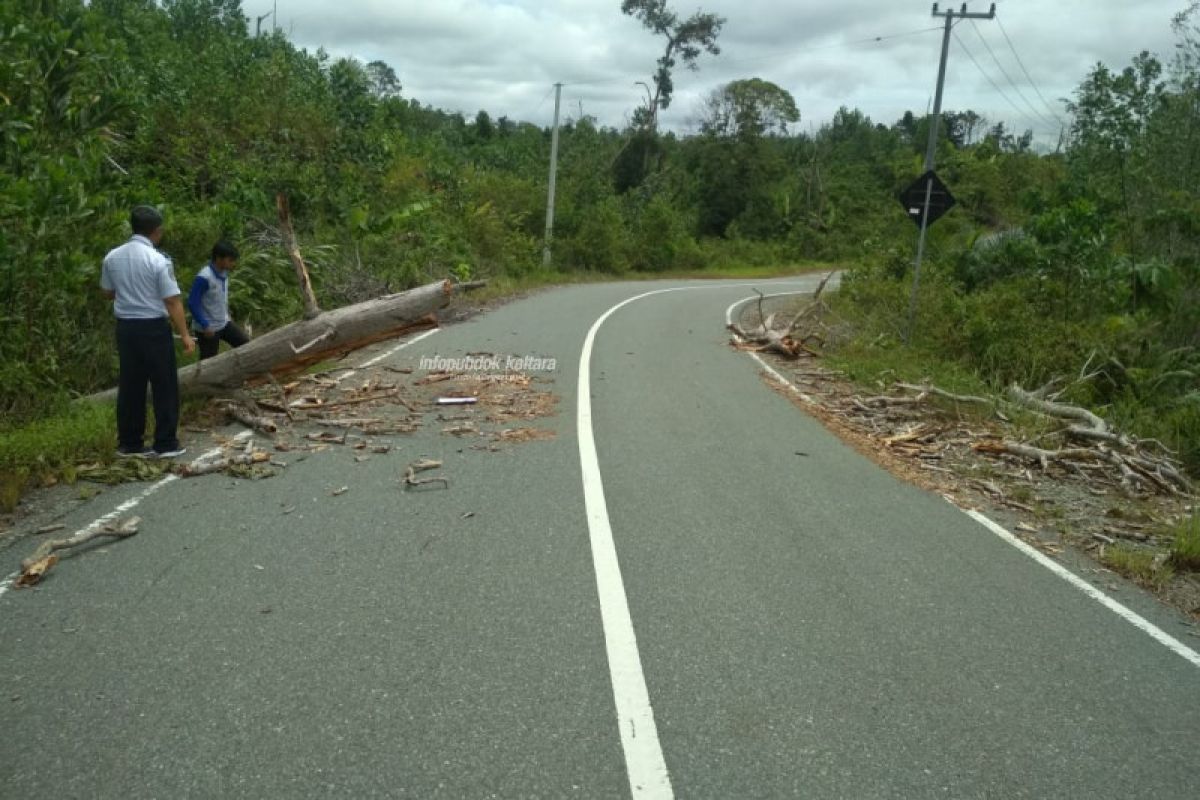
{"x":464,"y":55}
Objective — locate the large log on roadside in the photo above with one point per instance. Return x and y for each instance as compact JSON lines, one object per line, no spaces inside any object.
{"x":331,"y":332}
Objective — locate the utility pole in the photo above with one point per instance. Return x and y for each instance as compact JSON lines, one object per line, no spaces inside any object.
{"x":258,"y":22}
{"x":553,"y":177}
{"x":935,"y":122}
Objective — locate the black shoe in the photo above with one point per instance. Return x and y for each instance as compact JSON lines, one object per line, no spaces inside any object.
{"x":143,"y":453}
{"x":178,"y":451}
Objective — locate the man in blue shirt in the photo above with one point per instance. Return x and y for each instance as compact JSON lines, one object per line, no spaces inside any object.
{"x":141,"y":283}
{"x":209,"y":303}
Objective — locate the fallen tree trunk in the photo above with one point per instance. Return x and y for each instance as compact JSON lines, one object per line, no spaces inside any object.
{"x":329,"y":334}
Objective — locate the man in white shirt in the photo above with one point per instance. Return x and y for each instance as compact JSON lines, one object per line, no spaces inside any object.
{"x":141,"y":283}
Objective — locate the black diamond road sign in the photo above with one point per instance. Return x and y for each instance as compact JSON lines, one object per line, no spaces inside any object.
{"x":913,"y":199}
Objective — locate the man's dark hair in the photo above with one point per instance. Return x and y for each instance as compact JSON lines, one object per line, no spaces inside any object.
{"x":145,"y":220}
{"x":224,"y":249}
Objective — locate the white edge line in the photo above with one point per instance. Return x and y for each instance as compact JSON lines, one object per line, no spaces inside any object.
{"x":644,"y":762}
{"x":744,"y":300}
{"x":398,"y":348}
{"x":1130,"y":616}
{"x":777,"y":376}
{"x":131,"y":503}
{"x":372,"y":362}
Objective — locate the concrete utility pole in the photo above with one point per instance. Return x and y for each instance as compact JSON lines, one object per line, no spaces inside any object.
{"x":553,"y":177}
{"x":935,"y":122}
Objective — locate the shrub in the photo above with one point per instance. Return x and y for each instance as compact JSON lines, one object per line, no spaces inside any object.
{"x":1185,"y":544}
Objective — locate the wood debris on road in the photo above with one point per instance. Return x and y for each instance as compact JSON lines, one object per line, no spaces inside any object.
{"x":35,"y":568}
{"x":423,"y":465}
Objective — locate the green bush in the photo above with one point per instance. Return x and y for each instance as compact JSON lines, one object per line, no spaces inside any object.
{"x":661,"y":240}
{"x":600,"y":242}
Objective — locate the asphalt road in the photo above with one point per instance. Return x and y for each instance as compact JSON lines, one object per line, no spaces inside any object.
{"x":779,"y":625}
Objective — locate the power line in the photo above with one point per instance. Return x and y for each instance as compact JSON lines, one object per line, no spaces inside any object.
{"x":544,"y":98}
{"x":777,"y":54}
{"x":994,"y":84}
{"x":1008,"y":77}
{"x":1029,"y":77}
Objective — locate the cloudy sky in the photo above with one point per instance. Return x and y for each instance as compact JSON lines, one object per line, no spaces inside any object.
{"x":877,"y":55}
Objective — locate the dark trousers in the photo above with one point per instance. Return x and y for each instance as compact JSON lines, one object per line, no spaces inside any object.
{"x":231,"y":334}
{"x":147,"y":353}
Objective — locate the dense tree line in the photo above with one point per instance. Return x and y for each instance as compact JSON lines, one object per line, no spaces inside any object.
{"x":116,"y":102}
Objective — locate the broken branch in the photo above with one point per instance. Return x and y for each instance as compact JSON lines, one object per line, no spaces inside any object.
{"x":34,"y":568}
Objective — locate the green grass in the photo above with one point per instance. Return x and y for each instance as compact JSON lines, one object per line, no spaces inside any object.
{"x":1185,"y":543}
{"x":887,"y":363}
{"x":1138,"y":565}
{"x":50,"y":448}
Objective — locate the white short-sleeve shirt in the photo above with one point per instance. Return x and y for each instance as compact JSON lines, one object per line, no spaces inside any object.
{"x":142,"y":278}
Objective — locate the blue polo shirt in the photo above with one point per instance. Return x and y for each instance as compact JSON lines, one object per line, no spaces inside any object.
{"x":142,"y":278}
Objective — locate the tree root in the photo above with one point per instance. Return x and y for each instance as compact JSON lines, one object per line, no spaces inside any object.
{"x":767,"y":338}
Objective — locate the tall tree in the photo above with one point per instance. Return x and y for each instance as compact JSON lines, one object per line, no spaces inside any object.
{"x":1112,"y":114}
{"x":383,"y":80}
{"x":685,"y":39}
{"x":749,"y":108}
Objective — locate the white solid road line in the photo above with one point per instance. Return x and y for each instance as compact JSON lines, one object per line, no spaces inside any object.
{"x":744,"y":300}
{"x":1132,"y":617}
{"x":644,"y":762}
{"x":398,"y":348}
{"x":130,"y":504}
{"x":372,"y":362}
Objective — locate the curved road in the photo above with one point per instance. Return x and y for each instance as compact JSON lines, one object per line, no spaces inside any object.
{"x":664,"y":600}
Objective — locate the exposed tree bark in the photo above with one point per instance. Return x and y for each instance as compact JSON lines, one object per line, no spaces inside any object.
{"x":1060,"y":410}
{"x":311,"y":309}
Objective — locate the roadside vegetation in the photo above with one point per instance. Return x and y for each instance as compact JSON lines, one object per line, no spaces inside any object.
{"x":1052,"y":262}
{"x":1093,"y":274}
